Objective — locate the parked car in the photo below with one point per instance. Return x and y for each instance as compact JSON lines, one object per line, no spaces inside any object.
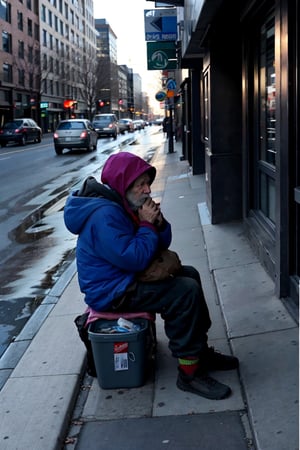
{"x":75,"y":133}
{"x":126,"y":125}
{"x":106,"y":125}
{"x":139,"y":124}
{"x":20,"y":131}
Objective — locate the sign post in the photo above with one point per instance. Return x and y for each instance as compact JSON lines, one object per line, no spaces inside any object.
{"x":161,"y":31}
{"x":171,"y":124}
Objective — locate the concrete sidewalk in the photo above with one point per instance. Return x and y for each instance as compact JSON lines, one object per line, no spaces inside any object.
{"x":44,"y":390}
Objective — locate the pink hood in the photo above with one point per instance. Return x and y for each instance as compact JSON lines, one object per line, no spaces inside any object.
{"x":122,"y":169}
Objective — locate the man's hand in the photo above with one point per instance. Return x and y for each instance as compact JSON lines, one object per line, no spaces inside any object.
{"x":150,"y":212}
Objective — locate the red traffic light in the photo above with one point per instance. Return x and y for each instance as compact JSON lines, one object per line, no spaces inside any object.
{"x":70,"y":103}
{"x":101,"y":103}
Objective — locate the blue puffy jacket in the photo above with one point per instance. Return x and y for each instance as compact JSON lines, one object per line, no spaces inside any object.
{"x":112,"y":246}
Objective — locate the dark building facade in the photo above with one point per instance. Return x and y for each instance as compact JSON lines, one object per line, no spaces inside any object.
{"x":240,"y":122}
{"x":108,"y":72}
{"x":126,"y":97}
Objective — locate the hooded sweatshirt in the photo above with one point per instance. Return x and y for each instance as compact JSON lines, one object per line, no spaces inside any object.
{"x":113,"y":245}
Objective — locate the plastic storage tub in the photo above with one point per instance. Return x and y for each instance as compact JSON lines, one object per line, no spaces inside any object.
{"x":120,"y":358}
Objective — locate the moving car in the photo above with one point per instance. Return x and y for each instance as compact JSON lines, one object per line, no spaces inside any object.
{"x":75,"y":133}
{"x":126,"y":125}
{"x":106,"y":125}
{"x":158,"y":121}
{"x":20,"y":131}
{"x":139,"y":124}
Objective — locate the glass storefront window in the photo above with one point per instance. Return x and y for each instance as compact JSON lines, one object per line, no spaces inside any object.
{"x":266,"y":156}
{"x":268,"y":94}
{"x":205,"y":109}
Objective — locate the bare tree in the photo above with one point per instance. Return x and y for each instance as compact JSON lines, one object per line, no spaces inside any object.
{"x":88,"y":81}
{"x":28,"y":72}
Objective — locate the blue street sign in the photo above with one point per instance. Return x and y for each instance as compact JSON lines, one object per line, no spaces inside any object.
{"x":161,"y":25}
{"x":171,"y":84}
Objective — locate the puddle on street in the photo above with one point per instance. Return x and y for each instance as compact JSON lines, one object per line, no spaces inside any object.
{"x":26,"y":278}
{"x":45,"y":246}
{"x":27,"y":269}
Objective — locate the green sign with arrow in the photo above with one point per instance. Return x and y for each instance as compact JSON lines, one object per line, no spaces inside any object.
{"x":161,"y":55}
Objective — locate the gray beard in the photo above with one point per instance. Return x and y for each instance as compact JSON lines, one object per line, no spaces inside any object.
{"x":135,"y":205}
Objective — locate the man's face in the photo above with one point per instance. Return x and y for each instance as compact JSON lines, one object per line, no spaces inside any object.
{"x":139,"y":191}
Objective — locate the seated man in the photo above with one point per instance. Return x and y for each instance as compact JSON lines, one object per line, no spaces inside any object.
{"x":120,"y":229}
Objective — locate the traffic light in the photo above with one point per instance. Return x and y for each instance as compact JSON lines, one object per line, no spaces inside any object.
{"x":70,"y":104}
{"x":120,"y":101}
{"x":101,"y":103}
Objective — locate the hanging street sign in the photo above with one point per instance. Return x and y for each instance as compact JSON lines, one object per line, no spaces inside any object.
{"x":171,"y":84}
{"x":160,"y":96}
{"x":161,"y":55}
{"x":160,"y":24}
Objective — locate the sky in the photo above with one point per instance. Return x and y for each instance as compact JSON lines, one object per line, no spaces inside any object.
{"x":126,"y":18}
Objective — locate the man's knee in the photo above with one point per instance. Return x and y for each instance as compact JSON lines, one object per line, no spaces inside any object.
{"x":190,"y":272}
{"x":188,"y":287}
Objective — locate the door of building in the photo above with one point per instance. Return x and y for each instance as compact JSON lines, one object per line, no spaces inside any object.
{"x":293,"y":14}
{"x":272,"y":96}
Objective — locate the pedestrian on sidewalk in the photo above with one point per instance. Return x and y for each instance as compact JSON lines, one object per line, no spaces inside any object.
{"x":165,"y":126}
{"x":120,"y":229}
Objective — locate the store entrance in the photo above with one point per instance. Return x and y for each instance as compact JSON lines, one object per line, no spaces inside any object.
{"x":294,"y":231}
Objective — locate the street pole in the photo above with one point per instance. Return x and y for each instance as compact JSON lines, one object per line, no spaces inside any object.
{"x":170,"y":134}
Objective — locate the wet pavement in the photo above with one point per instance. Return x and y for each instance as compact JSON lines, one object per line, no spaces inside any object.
{"x":48,"y":402}
{"x":35,"y":247}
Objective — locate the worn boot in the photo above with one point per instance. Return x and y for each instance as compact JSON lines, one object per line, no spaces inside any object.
{"x":203,"y":385}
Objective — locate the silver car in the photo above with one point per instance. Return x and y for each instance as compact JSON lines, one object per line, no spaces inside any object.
{"x":106,"y":125}
{"x":126,"y":125}
{"x":75,"y":134}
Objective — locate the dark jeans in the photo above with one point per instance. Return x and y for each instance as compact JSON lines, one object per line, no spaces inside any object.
{"x":180,"y":302}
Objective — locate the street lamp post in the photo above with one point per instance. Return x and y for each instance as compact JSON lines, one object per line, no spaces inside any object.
{"x":170,"y":133}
